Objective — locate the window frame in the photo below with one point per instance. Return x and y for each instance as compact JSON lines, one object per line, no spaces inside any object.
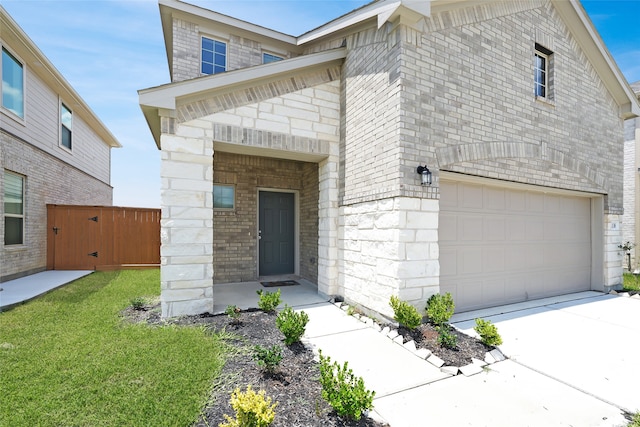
{"x":547,"y":56}
{"x":275,"y":58}
{"x":214,"y":53}
{"x":224,"y":208}
{"x":63,"y":126}
{"x":22,"y":216}
{"x":21,"y":63}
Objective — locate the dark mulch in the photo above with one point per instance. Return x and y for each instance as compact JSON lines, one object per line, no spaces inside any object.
{"x":294,"y":386}
{"x":467,"y":347}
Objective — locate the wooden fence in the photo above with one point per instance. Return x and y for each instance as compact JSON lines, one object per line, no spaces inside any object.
{"x":102,"y":237}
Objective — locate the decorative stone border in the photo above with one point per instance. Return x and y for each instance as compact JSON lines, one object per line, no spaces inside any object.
{"x":473,"y":368}
{"x":624,"y":294}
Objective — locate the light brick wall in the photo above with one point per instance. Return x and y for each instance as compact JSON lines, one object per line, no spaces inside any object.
{"x":48,"y":180}
{"x":630,"y":178}
{"x":235,"y":245}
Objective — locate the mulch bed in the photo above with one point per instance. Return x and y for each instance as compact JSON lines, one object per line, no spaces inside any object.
{"x":295,"y":384}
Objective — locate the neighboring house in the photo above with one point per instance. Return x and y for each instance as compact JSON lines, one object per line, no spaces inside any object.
{"x":630,"y":226}
{"x":53,"y":150}
{"x":515,"y":108}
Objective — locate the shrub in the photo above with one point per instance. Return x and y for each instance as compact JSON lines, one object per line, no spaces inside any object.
{"x":404,"y":313}
{"x":344,"y":391}
{"x":234,"y":313}
{"x":138,"y":303}
{"x":291,"y":324}
{"x":488,"y":332}
{"x":446,"y":338}
{"x":440,"y":308}
{"x":268,"y":300}
{"x":252,"y":409}
{"x":268,"y":358}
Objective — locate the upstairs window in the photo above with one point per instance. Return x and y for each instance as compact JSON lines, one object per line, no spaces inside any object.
{"x":214,"y":56}
{"x":66,"y":126}
{"x":224,"y":196}
{"x":12,"y":84}
{"x":13,"y":209}
{"x":542,"y":72}
{"x":267,"y":57}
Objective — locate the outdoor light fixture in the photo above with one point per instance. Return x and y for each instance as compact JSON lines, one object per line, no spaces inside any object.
{"x":425,"y":175}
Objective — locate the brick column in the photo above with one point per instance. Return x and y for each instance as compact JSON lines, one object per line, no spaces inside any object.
{"x":187,"y":222}
{"x":328,"y":225}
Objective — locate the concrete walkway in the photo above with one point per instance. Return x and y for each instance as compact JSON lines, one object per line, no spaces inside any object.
{"x":26,"y":288}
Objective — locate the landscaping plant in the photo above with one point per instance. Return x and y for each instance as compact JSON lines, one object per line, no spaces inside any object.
{"x":344,"y":391}
{"x":488,"y":332}
{"x":234,"y":314}
{"x":252,"y":409}
{"x":440,"y":308}
{"x":268,"y":358}
{"x":291,"y":324}
{"x":138,"y":303}
{"x":404,"y":313}
{"x":268,"y":300}
{"x":446,"y":338}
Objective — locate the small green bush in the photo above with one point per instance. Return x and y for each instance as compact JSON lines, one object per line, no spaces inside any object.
{"x":440,"y":308}
{"x":268,"y":358}
{"x":345,"y":392}
{"x":488,"y":332}
{"x":446,"y":338}
{"x":268,"y":300}
{"x":138,"y":303}
{"x":252,"y":409}
{"x":292,"y":324}
{"x":404,"y":313}
{"x":234,"y":313}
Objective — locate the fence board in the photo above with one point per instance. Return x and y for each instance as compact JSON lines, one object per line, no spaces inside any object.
{"x":102,"y":237}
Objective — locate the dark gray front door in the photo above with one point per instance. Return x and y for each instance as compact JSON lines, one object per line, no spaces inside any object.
{"x":277,"y":227}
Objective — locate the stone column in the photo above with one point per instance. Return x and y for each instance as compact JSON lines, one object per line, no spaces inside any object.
{"x":187,"y":222}
{"x":328,"y":213}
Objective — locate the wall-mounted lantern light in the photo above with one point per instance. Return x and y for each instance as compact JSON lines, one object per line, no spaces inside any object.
{"x":425,"y":175}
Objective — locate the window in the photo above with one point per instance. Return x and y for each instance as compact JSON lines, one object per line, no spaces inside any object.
{"x":267,"y":57}
{"x":13,"y":209}
{"x":214,"y":56}
{"x":223,"y":196}
{"x":542,"y":72}
{"x":66,"y":126}
{"x":12,"y":84}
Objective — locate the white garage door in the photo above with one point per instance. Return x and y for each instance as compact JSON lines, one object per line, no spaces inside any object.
{"x":502,"y":245}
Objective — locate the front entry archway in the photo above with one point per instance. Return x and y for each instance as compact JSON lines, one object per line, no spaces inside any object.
{"x":276,"y":228}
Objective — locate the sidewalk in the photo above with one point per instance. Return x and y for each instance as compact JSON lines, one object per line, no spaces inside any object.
{"x":20,"y":290}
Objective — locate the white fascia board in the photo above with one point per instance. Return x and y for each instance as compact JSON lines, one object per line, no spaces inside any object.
{"x":165,"y":96}
{"x":382,"y":10}
{"x":588,"y":38}
{"x":227,"y":20}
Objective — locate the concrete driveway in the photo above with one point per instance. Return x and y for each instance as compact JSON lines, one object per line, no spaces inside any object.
{"x":589,"y":341}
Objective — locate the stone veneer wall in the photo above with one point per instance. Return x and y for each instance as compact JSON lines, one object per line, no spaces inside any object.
{"x":48,"y":180}
{"x":235,"y":245}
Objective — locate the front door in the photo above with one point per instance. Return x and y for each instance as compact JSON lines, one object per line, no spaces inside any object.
{"x":276,"y":230}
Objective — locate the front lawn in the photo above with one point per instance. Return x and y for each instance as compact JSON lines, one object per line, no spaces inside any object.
{"x":631,"y":282}
{"x":67,"y":358}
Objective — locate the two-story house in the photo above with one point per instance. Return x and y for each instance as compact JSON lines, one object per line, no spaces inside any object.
{"x":53,"y":150}
{"x":406,"y":148}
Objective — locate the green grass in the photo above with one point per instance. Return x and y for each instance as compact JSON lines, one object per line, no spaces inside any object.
{"x":630,"y":282}
{"x":67,"y":358}
{"x":635,"y":421}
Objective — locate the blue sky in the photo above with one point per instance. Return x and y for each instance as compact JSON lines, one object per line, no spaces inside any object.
{"x":108,"y":50}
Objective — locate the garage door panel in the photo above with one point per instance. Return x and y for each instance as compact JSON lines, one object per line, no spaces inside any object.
{"x":448,"y":195}
{"x":533,"y":245}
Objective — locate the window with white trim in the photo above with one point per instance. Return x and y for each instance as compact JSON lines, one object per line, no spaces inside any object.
{"x":268,"y":57}
{"x":13,"y":208}
{"x":12,"y":84}
{"x":213,"y":56}
{"x":66,"y":126}
{"x":224,"y":196}
{"x":543,"y":59}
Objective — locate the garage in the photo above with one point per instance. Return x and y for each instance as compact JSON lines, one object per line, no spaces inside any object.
{"x":502,"y":243}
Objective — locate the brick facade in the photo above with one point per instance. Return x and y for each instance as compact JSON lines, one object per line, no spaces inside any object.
{"x":48,"y":180}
